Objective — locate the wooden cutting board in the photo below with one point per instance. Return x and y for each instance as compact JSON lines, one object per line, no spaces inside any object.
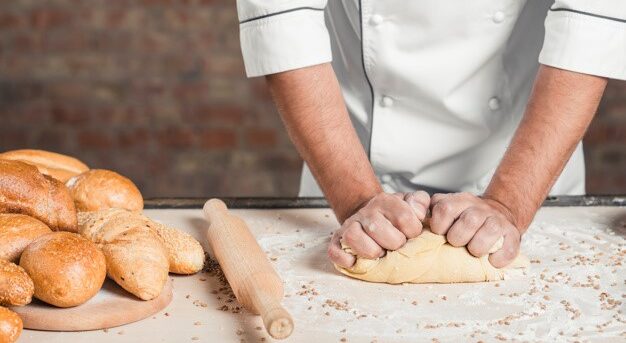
{"x":111,"y":307}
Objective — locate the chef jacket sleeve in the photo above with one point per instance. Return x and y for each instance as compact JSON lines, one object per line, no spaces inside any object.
{"x":586,"y":37}
{"x":280,"y":35}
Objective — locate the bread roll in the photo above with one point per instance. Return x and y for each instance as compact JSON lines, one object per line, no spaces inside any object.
{"x":23,"y":189}
{"x":60,"y":167}
{"x":135,"y":256}
{"x":16,"y":287}
{"x":186,"y":255}
{"x":10,"y":326}
{"x":16,"y":232}
{"x":100,"y":189}
{"x":67,"y":269}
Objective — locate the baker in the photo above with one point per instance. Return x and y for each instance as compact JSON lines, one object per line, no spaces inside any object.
{"x":483,"y":103}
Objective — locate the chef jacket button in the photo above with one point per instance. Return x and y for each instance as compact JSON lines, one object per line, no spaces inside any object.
{"x":386,"y":178}
{"x":494,"y":103}
{"x":498,"y":17}
{"x":376,"y":19}
{"x":386,"y":101}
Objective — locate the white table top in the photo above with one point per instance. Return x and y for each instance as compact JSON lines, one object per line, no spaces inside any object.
{"x":575,"y":289}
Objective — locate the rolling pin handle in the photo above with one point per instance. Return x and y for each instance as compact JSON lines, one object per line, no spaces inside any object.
{"x":276,"y":319}
{"x":214,"y":206}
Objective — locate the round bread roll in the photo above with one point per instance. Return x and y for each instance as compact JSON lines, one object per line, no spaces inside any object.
{"x":66,"y":268}
{"x":10,"y":326}
{"x":16,"y":287}
{"x":58,"y":166}
{"x":16,"y":232}
{"x":100,"y":189}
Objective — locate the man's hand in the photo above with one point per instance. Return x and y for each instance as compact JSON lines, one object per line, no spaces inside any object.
{"x":385,"y":222}
{"x":478,"y":223}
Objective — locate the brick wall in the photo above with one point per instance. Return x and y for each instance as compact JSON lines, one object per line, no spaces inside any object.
{"x":155,"y":89}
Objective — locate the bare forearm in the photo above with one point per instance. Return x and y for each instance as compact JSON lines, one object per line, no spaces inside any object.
{"x":313,"y":111}
{"x":560,"y":109}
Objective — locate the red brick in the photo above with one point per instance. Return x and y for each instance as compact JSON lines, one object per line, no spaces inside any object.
{"x":48,"y":18}
{"x":63,"y":114}
{"x":604,"y":133}
{"x":13,"y":139}
{"x":136,"y":138}
{"x":176,"y":137}
{"x":10,"y":20}
{"x":54,"y":139}
{"x":218,"y":139}
{"x":261,"y":138}
{"x":95,"y":139}
{"x":24,"y":42}
{"x":215,"y":114}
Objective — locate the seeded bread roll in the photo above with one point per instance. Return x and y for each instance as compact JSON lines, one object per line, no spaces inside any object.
{"x":186,"y":255}
{"x":16,"y":232}
{"x":16,"y":287}
{"x":136,"y":257}
{"x":23,"y":189}
{"x":10,"y":326}
{"x":58,"y":166}
{"x":67,"y":269}
{"x":100,"y":189}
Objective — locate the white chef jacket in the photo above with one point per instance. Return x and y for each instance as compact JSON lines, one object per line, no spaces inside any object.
{"x":436,"y":89}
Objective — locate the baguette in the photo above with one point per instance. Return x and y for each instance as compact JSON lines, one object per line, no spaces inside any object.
{"x":67,"y":269}
{"x":58,"y":166}
{"x":10,"y":326}
{"x":23,"y":189}
{"x":16,"y":232}
{"x":135,"y":256}
{"x":100,"y":189}
{"x":186,"y":255}
{"x":16,"y":287}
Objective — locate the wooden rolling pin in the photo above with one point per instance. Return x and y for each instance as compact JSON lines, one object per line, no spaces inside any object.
{"x":253,"y":280}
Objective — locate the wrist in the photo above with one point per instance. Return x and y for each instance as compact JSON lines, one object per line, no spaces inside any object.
{"x":352,"y":206}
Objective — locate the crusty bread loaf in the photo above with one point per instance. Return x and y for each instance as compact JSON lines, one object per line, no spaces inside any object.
{"x":136,"y":257}
{"x":186,"y":255}
{"x":16,"y":287}
{"x":16,"y":232}
{"x":58,"y":166}
{"x":23,"y":189}
{"x":10,"y":326}
{"x":100,"y":189}
{"x":67,"y":269}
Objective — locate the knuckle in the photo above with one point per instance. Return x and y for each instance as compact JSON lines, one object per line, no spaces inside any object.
{"x":350,"y":236}
{"x":442,"y":208}
{"x":471,"y":218}
{"x":405,"y":218}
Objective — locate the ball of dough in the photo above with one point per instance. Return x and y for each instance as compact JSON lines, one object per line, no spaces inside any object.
{"x":17,"y":231}
{"x":67,"y":269}
{"x":10,"y":326}
{"x":16,"y":287}
{"x":100,"y":189}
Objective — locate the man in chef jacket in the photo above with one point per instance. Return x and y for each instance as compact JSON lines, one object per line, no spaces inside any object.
{"x":385,"y":100}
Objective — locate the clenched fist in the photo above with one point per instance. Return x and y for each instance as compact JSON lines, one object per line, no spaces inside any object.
{"x":384,"y":223}
{"x":478,"y":223}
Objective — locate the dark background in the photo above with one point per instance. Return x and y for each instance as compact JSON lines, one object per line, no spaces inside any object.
{"x":155,"y":90}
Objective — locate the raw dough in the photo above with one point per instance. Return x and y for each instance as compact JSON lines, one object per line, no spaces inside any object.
{"x":428,"y":258}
